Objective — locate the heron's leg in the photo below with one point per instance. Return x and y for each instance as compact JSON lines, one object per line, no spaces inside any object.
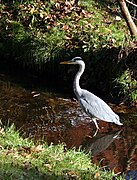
{"x":95,"y":132}
{"x":97,"y":127}
{"x":96,"y":124}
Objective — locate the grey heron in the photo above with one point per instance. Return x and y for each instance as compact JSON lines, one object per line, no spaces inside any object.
{"x":93,"y":106}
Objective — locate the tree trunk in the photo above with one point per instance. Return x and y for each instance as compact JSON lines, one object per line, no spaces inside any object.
{"x":131,"y":25}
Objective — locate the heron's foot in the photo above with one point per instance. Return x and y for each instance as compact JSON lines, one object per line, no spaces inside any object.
{"x":96,"y":132}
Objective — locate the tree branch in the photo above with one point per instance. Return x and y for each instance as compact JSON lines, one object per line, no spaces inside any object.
{"x":131,"y":3}
{"x":128,"y":18}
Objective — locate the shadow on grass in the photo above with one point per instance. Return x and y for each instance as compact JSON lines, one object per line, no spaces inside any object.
{"x":9,"y":172}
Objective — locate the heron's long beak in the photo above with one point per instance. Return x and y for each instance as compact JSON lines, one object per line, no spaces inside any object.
{"x":65,"y":62}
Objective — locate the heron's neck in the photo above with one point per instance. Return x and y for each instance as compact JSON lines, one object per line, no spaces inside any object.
{"x":76,"y":85}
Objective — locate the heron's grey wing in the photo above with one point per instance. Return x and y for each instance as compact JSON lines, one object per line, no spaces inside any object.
{"x":96,"y":107}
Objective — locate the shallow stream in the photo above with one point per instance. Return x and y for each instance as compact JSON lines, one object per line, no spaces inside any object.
{"x":57,"y":118}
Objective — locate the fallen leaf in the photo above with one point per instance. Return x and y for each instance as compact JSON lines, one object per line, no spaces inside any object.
{"x":38,"y":148}
{"x":26,"y":149}
{"x":48,"y":166}
{"x":1,"y":130}
{"x":97,"y":175}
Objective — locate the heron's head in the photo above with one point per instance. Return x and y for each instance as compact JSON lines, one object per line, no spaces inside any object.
{"x":75,"y":60}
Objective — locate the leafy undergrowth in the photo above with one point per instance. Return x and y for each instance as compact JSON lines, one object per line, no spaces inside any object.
{"x":36,"y":32}
{"x":127,"y":85}
{"x":22,"y":159}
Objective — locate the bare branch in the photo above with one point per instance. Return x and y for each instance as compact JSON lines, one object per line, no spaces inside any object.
{"x":131,"y":3}
{"x":128,"y":18}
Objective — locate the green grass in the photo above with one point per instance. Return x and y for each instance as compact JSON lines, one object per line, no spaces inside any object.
{"x":22,"y":159}
{"x":127,"y":87}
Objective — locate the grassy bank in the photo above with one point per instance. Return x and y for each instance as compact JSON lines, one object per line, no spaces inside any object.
{"x":34,"y":33}
{"x":22,"y":159}
{"x":37,"y":32}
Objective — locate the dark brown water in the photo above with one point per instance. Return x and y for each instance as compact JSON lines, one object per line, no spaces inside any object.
{"x":51,"y":117}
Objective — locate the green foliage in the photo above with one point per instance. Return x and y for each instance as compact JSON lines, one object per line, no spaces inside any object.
{"x":127,"y":86}
{"x":10,"y":138}
{"x":48,"y":46}
{"x":40,"y":31}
